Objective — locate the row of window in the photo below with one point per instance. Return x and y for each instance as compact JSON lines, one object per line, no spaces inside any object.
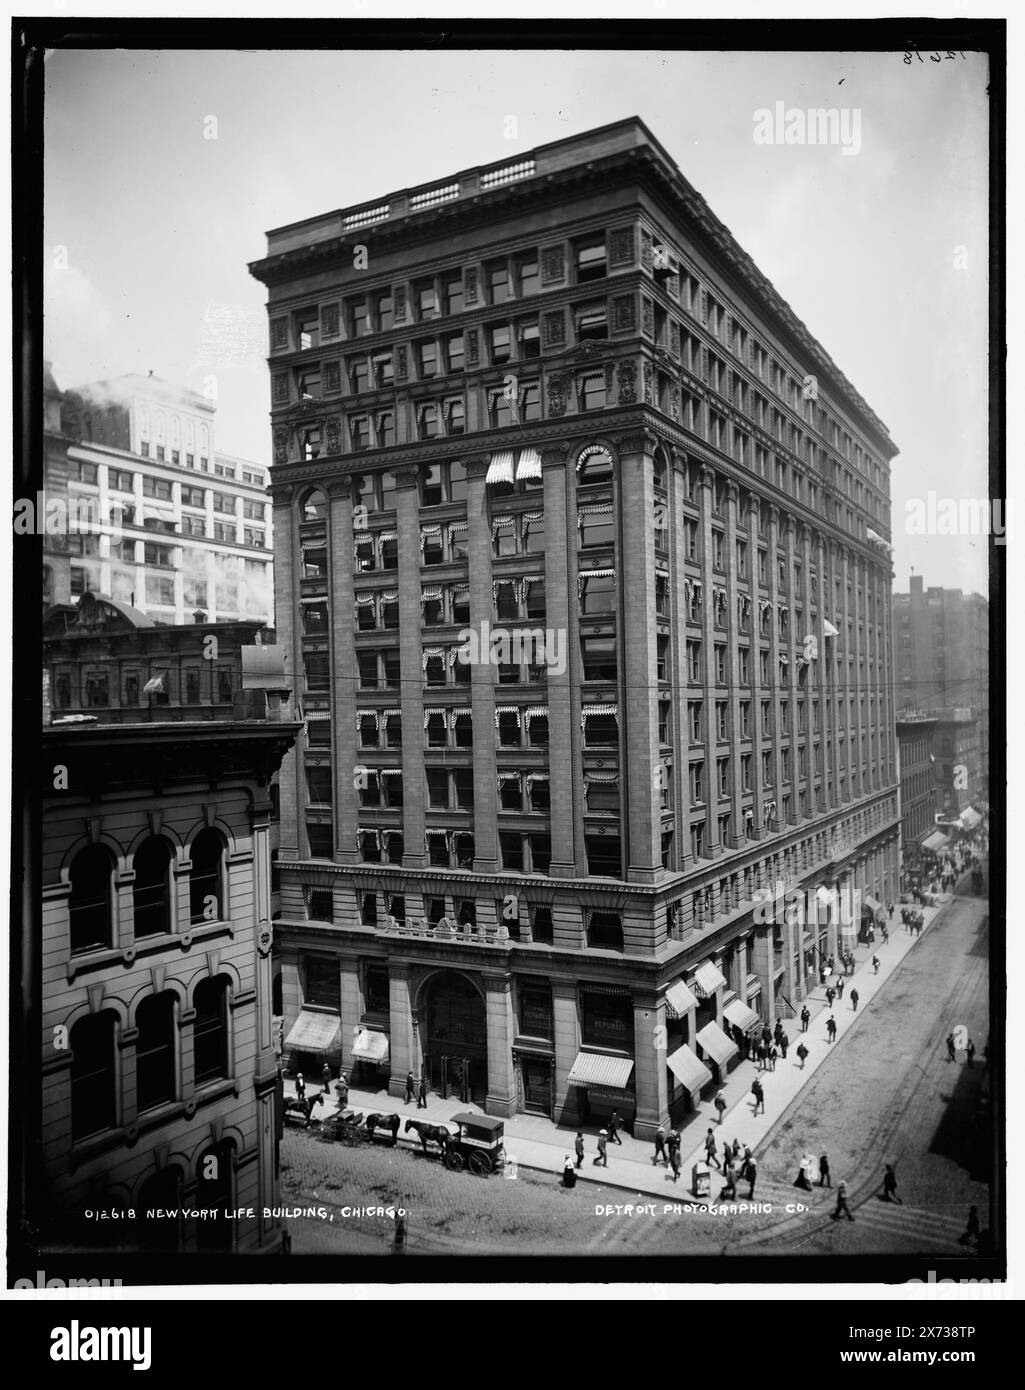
{"x":95,"y":1084}
{"x":93,"y":901}
{"x":208,"y":683}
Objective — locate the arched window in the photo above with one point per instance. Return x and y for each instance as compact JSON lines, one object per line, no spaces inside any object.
{"x":605,"y":931}
{"x":151,"y":895}
{"x":155,"y":1082}
{"x":90,"y":906}
{"x":315,"y":506}
{"x":210,"y":1031}
{"x":93,"y":1075}
{"x":47,"y":586}
{"x":144,"y":422}
{"x":660,"y":469}
{"x":206,"y":882}
{"x":594,"y":465}
{"x":159,"y":425}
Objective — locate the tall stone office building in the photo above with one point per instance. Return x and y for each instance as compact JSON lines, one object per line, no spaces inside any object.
{"x":553,"y":394}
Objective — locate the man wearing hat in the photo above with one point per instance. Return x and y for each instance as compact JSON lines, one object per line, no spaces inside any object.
{"x":579,"y":1146}
{"x":603,"y":1148}
{"x":660,"y":1146}
{"x":300,"y":1086}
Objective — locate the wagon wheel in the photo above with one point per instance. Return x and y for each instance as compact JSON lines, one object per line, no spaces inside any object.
{"x":480,"y":1164}
{"x":454,"y":1160}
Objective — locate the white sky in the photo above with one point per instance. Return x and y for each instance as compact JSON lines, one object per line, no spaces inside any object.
{"x":159,"y":223}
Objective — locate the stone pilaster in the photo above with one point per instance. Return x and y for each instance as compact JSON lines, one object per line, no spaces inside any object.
{"x":501,"y":1094}
{"x":565,"y":782}
{"x":482,"y":676}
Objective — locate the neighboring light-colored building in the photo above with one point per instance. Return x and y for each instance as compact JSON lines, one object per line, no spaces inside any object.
{"x":160,"y":519}
{"x":161,"y":1087}
{"x":562,"y":400}
{"x":941,"y":658}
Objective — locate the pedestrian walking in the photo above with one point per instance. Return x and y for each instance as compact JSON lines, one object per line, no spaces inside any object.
{"x":614,"y":1124}
{"x":766,"y":1035}
{"x":759,"y":1055}
{"x":720,"y":1106}
{"x":875,"y":965}
{"x":759,"y":1095}
{"x":802,"y":1052}
{"x":730,"y":1187}
{"x":854,"y":1000}
{"x":325,"y":1077}
{"x":343,"y":1090}
{"x":805,"y":1019}
{"x":736,"y":1151}
{"x":751,"y":1174}
{"x":891,"y":912}
{"x":824,"y":1179}
{"x":421,"y":1094}
{"x":972,"y":1229}
{"x":951,"y":1054}
{"x":410,"y":1087}
{"x":802,"y":1175}
{"x":578,"y":1146}
{"x":603,"y":1148}
{"x":569,"y":1174}
{"x":300,"y":1086}
{"x":841,"y":1203}
{"x":830,"y":996}
{"x":660,"y":1146}
{"x":831,"y":1028}
{"x":840,"y":987}
{"x":831,"y":962}
{"x":890,"y":1185}
{"x":886,"y":932}
{"x":710,"y":1154}
{"x":970,"y":1050}
{"x":777,"y":1032}
{"x":676,"y":1161}
{"x":773,"y":1055}
{"x":784,"y":1043}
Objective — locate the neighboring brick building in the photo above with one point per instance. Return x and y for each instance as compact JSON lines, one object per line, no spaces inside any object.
{"x":941,"y":657}
{"x":957,"y":762}
{"x":152,"y":987}
{"x":917,"y":781}
{"x":557,"y":396}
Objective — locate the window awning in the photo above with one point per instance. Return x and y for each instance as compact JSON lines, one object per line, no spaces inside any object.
{"x":529,"y":465}
{"x":314,"y":1032}
{"x":715,"y":1042}
{"x":970,"y":818}
{"x":740,"y":1015}
{"x":589,"y":1069}
{"x":873,"y":903}
{"x":679,"y":1000}
{"x":829,"y":629}
{"x":688,"y":1069}
{"x":371,"y":1045}
{"x":500,"y":469}
{"x":156,"y":686}
{"x":707,"y":979}
{"x":936,"y":841}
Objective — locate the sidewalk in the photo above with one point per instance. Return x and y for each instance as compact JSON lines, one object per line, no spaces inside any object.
{"x":537,"y":1143}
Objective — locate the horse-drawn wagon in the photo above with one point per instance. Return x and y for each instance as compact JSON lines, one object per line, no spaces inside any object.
{"x":479,"y":1145}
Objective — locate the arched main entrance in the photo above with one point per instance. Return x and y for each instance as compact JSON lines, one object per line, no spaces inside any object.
{"x":455,"y":1041}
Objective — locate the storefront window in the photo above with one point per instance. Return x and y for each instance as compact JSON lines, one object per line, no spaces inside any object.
{"x":536,"y":1012}
{"x":377,"y":991}
{"x":323,"y":982}
{"x":608,"y":1021}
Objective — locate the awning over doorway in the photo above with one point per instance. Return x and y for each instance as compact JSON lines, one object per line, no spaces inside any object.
{"x":688,"y":1069}
{"x":707,"y":979}
{"x":716,"y":1044}
{"x":313,"y":1032}
{"x":740,"y":1015}
{"x":970,"y":818}
{"x":873,"y":903}
{"x":590,"y":1069}
{"x":371,"y":1045}
{"x":936,"y":841}
{"x":679,"y":1000}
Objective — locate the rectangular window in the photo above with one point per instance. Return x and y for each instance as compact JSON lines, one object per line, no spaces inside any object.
{"x":591,"y":259}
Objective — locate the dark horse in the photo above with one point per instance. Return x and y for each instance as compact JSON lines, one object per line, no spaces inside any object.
{"x":437,"y":1134}
{"x":391,"y":1122}
{"x":304,"y":1107}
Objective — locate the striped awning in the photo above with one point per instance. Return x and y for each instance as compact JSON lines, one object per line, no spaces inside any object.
{"x":936,"y":841}
{"x":707,"y":979}
{"x":371,"y":1045}
{"x":500,"y":524}
{"x":688,"y":1069}
{"x":590,"y":1069}
{"x":714,"y":1041}
{"x":679,"y":1000}
{"x":157,"y":686}
{"x":829,"y":629}
{"x":313,"y":1032}
{"x":740,"y":1015}
{"x":529,"y":465}
{"x":500,"y":469}
{"x":598,"y":709}
{"x":970,"y":818}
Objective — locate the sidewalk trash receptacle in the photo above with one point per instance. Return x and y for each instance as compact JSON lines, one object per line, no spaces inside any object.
{"x":701,"y":1180}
